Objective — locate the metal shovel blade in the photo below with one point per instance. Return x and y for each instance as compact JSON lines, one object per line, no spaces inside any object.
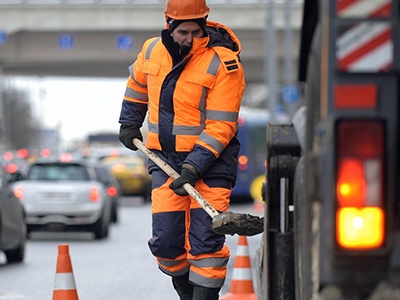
{"x":236,"y":223}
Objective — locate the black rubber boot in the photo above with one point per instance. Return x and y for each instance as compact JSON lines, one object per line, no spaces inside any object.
{"x":183,"y":287}
{"x":203,"y":293}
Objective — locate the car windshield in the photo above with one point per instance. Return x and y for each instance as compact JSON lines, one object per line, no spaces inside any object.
{"x":58,"y":172}
{"x":127,"y":163}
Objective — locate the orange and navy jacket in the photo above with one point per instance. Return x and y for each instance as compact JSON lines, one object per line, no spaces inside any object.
{"x":193,"y":105}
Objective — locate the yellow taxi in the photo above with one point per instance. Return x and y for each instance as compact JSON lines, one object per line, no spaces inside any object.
{"x":131,"y":173}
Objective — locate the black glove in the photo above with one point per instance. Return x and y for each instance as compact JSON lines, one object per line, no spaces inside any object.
{"x":188,"y":175}
{"x":127,"y":133}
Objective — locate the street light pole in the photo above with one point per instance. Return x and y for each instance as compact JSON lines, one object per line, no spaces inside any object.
{"x":270,"y":60}
{"x":3,"y":123}
{"x":288,"y":43}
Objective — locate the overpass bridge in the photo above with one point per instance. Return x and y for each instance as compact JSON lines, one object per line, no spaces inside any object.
{"x":102,"y":37}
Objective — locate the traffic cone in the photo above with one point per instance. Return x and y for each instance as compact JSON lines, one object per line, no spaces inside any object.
{"x":242,"y":284}
{"x":258,"y":205}
{"x":64,"y":284}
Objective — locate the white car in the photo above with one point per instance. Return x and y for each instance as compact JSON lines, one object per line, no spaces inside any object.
{"x":64,"y":196}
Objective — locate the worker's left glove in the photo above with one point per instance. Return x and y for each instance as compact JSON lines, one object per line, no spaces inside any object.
{"x":127,"y":133}
{"x":188,"y":175}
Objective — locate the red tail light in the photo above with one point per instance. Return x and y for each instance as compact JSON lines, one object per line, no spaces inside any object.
{"x":243,"y":162}
{"x":112,"y":191}
{"x":12,"y":168}
{"x":23,"y":153}
{"x":94,"y":194}
{"x":114,"y":152}
{"x":360,"y":217}
{"x":65,"y":157}
{"x":8,"y":156}
{"x":45,"y":153}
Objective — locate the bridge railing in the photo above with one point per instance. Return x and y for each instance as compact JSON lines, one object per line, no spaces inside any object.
{"x":132,"y":2}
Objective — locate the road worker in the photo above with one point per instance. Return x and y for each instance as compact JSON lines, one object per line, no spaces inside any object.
{"x":190,"y":82}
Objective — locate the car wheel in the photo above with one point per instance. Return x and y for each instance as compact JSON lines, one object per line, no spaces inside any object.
{"x":28,"y":232}
{"x":100,"y":229}
{"x":114,"y":213}
{"x":18,"y":254}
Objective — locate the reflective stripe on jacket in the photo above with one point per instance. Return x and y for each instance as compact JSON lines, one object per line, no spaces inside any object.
{"x":193,"y":106}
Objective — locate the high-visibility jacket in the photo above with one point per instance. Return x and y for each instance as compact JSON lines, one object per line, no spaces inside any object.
{"x":192,"y":106}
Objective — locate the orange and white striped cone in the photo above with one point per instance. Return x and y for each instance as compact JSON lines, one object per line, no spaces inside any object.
{"x":64,"y":283}
{"x":242,"y":283}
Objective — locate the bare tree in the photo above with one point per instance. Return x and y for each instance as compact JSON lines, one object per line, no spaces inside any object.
{"x":21,"y":129}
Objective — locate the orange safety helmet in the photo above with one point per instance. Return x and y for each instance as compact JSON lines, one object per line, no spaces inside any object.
{"x":186,"y":9}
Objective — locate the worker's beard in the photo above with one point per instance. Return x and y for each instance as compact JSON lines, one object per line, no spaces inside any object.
{"x":184,"y":50}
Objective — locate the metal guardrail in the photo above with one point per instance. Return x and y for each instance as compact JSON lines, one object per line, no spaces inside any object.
{"x":131,"y":2}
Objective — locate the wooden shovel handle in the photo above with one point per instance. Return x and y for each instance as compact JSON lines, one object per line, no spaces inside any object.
{"x":174,"y":175}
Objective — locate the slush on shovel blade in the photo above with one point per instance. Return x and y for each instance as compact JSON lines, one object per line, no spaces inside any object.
{"x":240,"y":224}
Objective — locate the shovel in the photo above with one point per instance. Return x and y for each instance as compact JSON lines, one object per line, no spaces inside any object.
{"x":223,"y":223}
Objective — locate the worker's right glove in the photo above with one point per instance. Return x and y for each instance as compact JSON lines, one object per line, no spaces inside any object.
{"x":127,"y":133}
{"x":188,"y":175}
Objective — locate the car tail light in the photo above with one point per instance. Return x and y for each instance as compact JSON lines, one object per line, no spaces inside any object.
{"x":243,"y":162}
{"x":12,"y":168}
{"x":8,"y":156}
{"x":45,"y":153}
{"x":94,"y":194}
{"x":360,"y":215}
{"x":114,"y":152}
{"x":112,"y":191}
{"x":18,"y":192}
{"x":65,"y":157}
{"x":23,"y":153}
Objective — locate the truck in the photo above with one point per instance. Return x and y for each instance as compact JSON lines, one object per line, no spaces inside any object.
{"x":332,"y":201}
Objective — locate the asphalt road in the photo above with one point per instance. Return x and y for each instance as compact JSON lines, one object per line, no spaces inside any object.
{"x":119,"y":267}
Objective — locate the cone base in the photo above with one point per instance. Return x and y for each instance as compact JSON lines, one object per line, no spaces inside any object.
{"x":65,"y":295}
{"x":241,"y":287}
{"x":258,"y":207}
{"x":239,"y":296}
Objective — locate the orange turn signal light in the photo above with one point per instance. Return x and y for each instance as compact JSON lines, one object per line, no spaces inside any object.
{"x":360,"y":228}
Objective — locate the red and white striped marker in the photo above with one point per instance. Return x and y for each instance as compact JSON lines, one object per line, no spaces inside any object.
{"x":363,"y":8}
{"x":365,"y":47}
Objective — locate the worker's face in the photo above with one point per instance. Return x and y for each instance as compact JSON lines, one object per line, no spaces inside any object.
{"x":185,"y":32}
